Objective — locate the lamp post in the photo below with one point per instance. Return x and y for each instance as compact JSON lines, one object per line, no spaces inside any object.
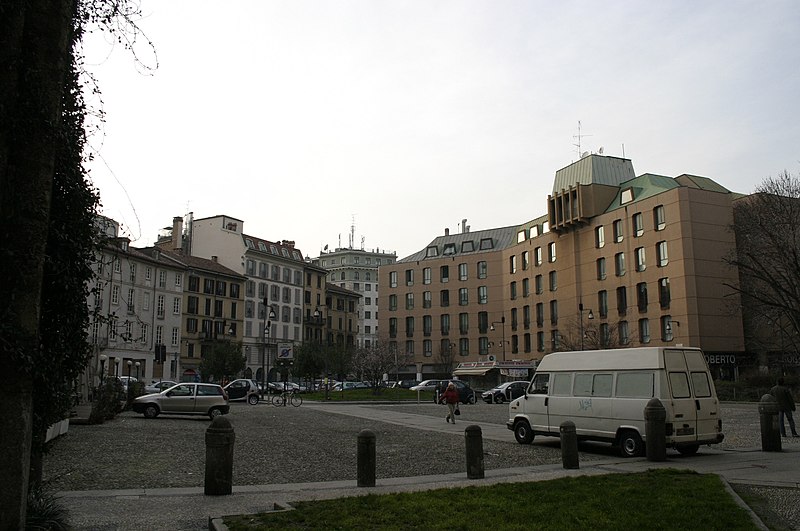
{"x":117,"y":362}
{"x":591,"y":316}
{"x":128,"y":387}
{"x":138,"y":364}
{"x":269,"y":314}
{"x":502,"y":322}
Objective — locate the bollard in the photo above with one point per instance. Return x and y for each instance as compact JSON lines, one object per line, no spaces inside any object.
{"x":770,"y":433}
{"x":569,"y":445}
{"x":366,"y":458}
{"x":474,"y":443}
{"x":219,"y":457}
{"x":655,"y":430}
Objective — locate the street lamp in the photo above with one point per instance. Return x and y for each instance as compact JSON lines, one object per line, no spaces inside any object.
{"x":503,"y":323}
{"x":269,"y":314}
{"x":128,"y":387}
{"x":591,"y":316}
{"x":117,"y":362}
{"x":138,"y":364}
{"x":103,"y":359}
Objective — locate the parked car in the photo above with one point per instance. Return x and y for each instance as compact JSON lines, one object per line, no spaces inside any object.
{"x":243,"y":389}
{"x":505,"y":392}
{"x":184,"y":399}
{"x":426,"y":385}
{"x":157,"y":387}
{"x":338,"y":386}
{"x":466,"y":394}
{"x":125,"y":380}
{"x":406,"y":384}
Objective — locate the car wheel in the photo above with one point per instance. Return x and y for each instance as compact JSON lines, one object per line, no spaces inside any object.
{"x":151,"y":411}
{"x":214,"y":413}
{"x":471,"y":398}
{"x":252,"y":399}
{"x":523,"y":432}
{"x":689,"y":449}
{"x":499,"y":399}
{"x":630,"y":444}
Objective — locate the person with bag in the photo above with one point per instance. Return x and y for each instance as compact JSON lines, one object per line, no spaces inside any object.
{"x":450,"y":397}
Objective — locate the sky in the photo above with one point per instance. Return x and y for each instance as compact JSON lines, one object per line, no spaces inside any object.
{"x":393,"y":120}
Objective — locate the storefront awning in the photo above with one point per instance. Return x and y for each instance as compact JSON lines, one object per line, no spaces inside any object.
{"x":471,"y":371}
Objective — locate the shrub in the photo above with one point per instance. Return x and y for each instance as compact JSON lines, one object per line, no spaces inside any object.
{"x":45,"y":511}
{"x":107,"y":402}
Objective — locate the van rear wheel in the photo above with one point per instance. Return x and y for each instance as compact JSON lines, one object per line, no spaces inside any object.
{"x":523,"y":432}
{"x":688,"y":449}
{"x":630,"y":444}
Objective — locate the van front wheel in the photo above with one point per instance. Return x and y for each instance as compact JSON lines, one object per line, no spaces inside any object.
{"x":523,"y":432}
{"x":630,"y":444}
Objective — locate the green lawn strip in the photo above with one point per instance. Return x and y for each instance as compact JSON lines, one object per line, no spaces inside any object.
{"x":656,"y":499}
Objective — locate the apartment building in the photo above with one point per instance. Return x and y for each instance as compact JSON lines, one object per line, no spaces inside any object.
{"x":616,"y":260}
{"x":357,"y":270}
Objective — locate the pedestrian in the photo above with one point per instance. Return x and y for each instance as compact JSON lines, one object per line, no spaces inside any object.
{"x":785,"y":406}
{"x":450,"y":397}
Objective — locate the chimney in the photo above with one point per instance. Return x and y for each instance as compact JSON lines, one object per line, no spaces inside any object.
{"x":177,"y":231}
{"x":215,"y":259}
{"x":446,"y":231}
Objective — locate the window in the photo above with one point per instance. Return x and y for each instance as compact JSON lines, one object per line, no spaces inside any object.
{"x":619,"y":264}
{"x":115,"y":294}
{"x":162,"y":279}
{"x":409,"y":277}
{"x":482,"y":269}
{"x":617,"y":231}
{"x":555,"y":339}
{"x":540,"y":341}
{"x":526,"y":287}
{"x":393,"y":279}
{"x":538,"y":284}
{"x":431,"y":252}
{"x":526,"y":316}
{"x":513,"y":288}
{"x":624,"y":339}
{"x":194,"y":283}
{"x":426,"y":275}
{"x":392,"y":303}
{"x":427,"y":348}
{"x":521,"y":236}
{"x":148,"y":274}
{"x":176,"y":306}
{"x":640,"y":263}
{"x":539,"y":314}
{"x":553,"y":278}
{"x":463,"y":297}
{"x":160,"y":307}
{"x":393,"y":327}
{"x":551,"y":252}
{"x":666,"y":328}
{"x":463,"y":323}
{"x":483,"y":295}
{"x":601,"y":269}
{"x":133,"y":273}
{"x":512,"y":264}
{"x":641,"y":296}
{"x":599,"y":237}
{"x":427,"y":325}
{"x":680,"y":385}
{"x":663,"y":293}
{"x":131,"y":300}
{"x":444,"y":274}
{"x":537,"y":256}
{"x":462,"y":272}
{"x":662,"y":256}
{"x":602,"y":303}
{"x":638,"y":225}
{"x":554,"y":312}
{"x":526,"y":260}
{"x":635,"y":385}
{"x":409,"y":301}
{"x":486,"y":244}
{"x":444,"y":322}
{"x":409,"y":327}
{"x":426,"y":299}
{"x":622,"y":300}
{"x":467,"y":246}
{"x":659,"y":220}
{"x":444,"y":298}
{"x":449,"y":249}
{"x":644,"y":331}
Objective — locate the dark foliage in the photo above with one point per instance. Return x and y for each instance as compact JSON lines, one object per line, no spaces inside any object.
{"x":45,"y":511}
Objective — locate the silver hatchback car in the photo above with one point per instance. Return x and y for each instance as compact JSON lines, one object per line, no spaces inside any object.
{"x":184,"y":399}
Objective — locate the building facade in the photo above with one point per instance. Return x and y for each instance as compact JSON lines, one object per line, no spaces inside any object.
{"x":618,"y":260}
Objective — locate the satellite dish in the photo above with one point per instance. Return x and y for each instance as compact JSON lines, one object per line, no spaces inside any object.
{"x":584,"y":154}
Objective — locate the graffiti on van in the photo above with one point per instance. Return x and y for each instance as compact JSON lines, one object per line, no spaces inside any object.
{"x":585,"y":404}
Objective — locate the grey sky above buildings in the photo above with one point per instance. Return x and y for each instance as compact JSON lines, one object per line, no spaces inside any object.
{"x":303,"y":118}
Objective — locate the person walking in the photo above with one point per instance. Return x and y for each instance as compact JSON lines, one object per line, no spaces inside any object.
{"x":450,"y":397}
{"x":785,"y":406}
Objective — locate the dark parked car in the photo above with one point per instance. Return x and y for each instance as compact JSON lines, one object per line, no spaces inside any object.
{"x":243,"y":389}
{"x":465,"y":393}
{"x":505,"y":392}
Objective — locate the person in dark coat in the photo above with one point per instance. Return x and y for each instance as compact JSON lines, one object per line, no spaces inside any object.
{"x":785,"y":406}
{"x":450,"y":397}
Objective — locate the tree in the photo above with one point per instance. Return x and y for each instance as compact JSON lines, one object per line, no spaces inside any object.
{"x":340,"y":360}
{"x":447,"y":357}
{"x":767,"y":229}
{"x":376,"y":360}
{"x":309,"y":360}
{"x":223,"y":361}
{"x":596,"y":335}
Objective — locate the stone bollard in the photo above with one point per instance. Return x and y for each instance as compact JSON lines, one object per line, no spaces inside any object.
{"x":569,"y":445}
{"x":770,"y":433}
{"x":366,"y":458}
{"x":655,"y":430}
{"x":474,"y":442}
{"x":219,"y":457}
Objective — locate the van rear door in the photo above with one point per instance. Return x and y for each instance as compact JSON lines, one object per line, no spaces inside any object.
{"x":706,"y":403}
{"x":684,"y":409}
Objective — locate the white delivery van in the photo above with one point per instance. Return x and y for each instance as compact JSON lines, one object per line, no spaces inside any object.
{"x":604,"y":392}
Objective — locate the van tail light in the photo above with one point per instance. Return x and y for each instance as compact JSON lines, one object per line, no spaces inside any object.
{"x":668,"y":429}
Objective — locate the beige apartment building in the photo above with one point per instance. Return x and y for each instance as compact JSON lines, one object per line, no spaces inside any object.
{"x":618,"y":260}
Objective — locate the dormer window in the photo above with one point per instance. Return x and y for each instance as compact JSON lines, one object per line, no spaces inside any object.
{"x":249,"y":243}
{"x":262,"y":247}
{"x":486,"y":244}
{"x":627,"y":196}
{"x":449,"y":249}
{"x":432,"y":252}
{"x":467,"y":246}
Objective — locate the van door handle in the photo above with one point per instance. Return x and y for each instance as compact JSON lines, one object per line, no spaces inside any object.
{"x":546,"y":399}
{"x":697,"y":403}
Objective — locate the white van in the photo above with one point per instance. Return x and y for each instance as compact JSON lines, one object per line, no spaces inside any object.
{"x":604,"y":392}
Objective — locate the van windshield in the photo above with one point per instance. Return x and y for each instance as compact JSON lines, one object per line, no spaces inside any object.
{"x":539,"y":384}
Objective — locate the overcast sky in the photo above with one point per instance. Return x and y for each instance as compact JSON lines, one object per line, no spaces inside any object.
{"x":302,"y":118}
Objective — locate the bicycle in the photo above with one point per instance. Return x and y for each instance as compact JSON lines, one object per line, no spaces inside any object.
{"x":287,"y":397}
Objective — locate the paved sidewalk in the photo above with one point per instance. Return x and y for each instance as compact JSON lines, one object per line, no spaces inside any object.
{"x":190,"y":509}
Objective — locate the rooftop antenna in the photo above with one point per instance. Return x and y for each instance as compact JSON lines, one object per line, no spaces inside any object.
{"x":352,"y":231}
{"x":579,"y":136}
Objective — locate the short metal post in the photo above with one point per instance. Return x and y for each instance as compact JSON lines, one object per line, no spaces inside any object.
{"x":569,"y":445}
{"x":655,"y":430}
{"x":366,"y":458}
{"x":474,"y":446}
{"x":770,"y":432}
{"x":219,"y":457}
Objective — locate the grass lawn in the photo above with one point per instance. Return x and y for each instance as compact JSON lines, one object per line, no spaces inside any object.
{"x":657,"y":499}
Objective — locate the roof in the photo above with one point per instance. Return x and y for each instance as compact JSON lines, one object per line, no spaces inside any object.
{"x":616,"y":359}
{"x":333,"y":288}
{"x":193,"y":262}
{"x":501,"y":238}
{"x":273,"y":248}
{"x":594,"y":169}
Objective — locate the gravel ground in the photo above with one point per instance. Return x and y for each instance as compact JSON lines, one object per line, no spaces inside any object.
{"x":292,"y":445}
